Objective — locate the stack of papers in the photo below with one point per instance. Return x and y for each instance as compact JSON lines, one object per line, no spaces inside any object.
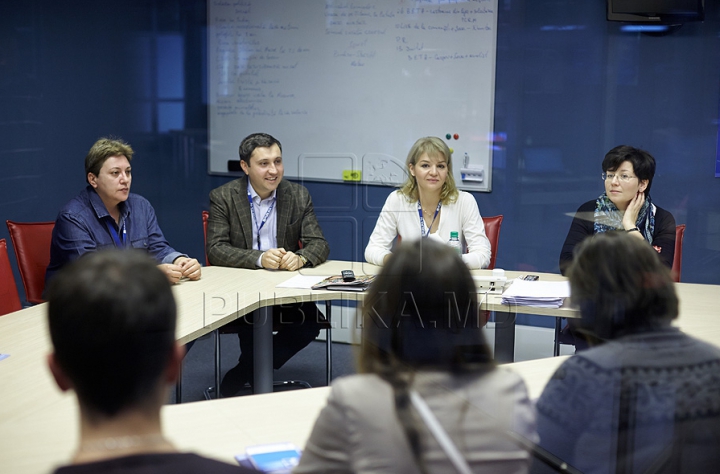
{"x":539,"y":294}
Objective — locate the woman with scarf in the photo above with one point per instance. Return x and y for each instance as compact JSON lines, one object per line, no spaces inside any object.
{"x":625,"y":205}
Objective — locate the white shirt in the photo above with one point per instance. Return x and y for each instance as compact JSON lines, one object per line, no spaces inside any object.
{"x":399,"y":216}
{"x":268,"y":233}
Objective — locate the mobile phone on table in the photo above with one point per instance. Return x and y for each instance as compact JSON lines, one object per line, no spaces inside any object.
{"x":275,"y":458}
{"x":529,"y":277}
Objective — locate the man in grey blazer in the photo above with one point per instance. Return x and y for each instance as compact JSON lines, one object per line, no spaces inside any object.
{"x":262,"y":221}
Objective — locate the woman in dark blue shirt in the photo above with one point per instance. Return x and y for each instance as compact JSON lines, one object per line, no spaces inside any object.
{"x":106,"y":214}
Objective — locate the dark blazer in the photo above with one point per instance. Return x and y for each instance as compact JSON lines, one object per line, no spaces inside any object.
{"x":230,"y":225}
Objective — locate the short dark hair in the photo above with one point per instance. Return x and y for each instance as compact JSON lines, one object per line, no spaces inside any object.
{"x":104,"y":149}
{"x":643,"y":162}
{"x":112,"y":321}
{"x":422,"y":311}
{"x":621,"y":286}
{"x":256,"y":140}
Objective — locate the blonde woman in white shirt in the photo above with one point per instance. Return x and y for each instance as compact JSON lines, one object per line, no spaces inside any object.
{"x":429,"y":205}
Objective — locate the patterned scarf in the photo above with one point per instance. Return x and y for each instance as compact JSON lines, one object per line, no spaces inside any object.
{"x":608,"y":217}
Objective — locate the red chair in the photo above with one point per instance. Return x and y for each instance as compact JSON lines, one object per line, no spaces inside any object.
{"x":677,"y":258}
{"x":31,"y":241}
{"x":9,"y":299}
{"x":230,"y":330}
{"x":492,"y":230}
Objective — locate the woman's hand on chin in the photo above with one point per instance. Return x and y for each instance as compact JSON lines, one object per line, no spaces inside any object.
{"x":633,"y":209}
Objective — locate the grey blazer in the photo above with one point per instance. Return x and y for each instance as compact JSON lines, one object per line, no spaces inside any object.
{"x":358,"y":430}
{"x":230,"y":226}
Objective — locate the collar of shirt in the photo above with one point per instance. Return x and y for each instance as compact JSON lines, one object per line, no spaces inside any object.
{"x":268,"y":234}
{"x":100,"y":209}
{"x":256,"y":197}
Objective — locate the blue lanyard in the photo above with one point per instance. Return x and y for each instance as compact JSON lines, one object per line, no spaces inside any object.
{"x":422,"y":221}
{"x":119,"y":241}
{"x":267,"y":214}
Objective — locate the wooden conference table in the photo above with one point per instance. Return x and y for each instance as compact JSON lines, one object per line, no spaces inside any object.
{"x":38,"y":424}
{"x":225,"y":294}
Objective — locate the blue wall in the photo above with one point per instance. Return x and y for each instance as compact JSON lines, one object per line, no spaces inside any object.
{"x":570,"y":86}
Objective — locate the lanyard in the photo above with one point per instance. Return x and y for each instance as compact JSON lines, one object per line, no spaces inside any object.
{"x":267,"y":214}
{"x":422,"y":221}
{"x":119,"y":241}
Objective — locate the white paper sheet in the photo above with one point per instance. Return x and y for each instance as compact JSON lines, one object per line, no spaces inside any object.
{"x":302,"y":281}
{"x":539,"y":288}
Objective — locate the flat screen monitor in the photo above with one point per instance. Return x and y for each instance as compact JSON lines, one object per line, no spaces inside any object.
{"x":656,"y":11}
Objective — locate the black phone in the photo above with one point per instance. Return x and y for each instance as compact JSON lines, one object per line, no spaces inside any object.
{"x":347,"y":275}
{"x":530,"y":277}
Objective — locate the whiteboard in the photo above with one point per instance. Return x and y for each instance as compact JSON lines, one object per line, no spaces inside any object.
{"x":348,"y":86}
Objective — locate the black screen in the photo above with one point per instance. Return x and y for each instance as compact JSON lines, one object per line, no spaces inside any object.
{"x":655,"y":10}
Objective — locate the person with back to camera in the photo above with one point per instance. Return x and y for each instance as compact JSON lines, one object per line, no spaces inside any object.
{"x":107,"y":215}
{"x":430,"y":205}
{"x":422,"y":344}
{"x":625,"y":205}
{"x":645,"y":397}
{"x":112,"y":318}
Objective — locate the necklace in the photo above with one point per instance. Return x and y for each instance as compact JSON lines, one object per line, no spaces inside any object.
{"x":123,"y":442}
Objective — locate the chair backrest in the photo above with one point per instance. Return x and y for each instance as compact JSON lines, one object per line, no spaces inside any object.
{"x":677,"y":259}
{"x":31,"y":241}
{"x":9,"y":299}
{"x":205,"y":215}
{"x":492,"y":230}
